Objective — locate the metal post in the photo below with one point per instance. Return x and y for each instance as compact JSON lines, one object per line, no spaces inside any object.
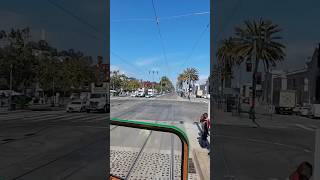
{"x":10,"y":94}
{"x":316,"y":170}
{"x":53,"y":100}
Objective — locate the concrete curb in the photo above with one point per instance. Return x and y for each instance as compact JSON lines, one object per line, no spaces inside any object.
{"x":201,"y":159}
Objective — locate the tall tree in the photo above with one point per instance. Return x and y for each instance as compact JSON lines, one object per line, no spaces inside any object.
{"x":227,"y":58}
{"x":165,"y":84}
{"x":18,"y":56}
{"x":258,"y":40}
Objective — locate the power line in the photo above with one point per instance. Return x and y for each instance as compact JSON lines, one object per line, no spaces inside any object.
{"x":196,"y":44}
{"x":91,"y":26}
{"x":184,"y":15}
{"x":162,"y":18}
{"x":133,"y":19}
{"x":233,"y":12}
{"x":78,"y":18}
{"x":159,"y":32}
{"x":124,"y":60}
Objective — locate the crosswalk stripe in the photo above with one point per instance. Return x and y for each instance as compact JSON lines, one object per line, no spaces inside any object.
{"x":49,"y":116}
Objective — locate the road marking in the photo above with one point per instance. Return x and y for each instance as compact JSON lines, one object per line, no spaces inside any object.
{"x":304,"y":127}
{"x":266,"y":142}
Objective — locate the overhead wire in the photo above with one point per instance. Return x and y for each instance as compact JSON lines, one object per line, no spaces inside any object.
{"x":70,"y":13}
{"x":162,"y":18}
{"x":196,"y":44}
{"x":233,"y":12}
{"x":124,"y":60}
{"x":84,"y":22}
{"x":160,"y":35}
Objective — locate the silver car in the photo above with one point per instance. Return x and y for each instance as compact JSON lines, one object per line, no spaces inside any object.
{"x":76,"y":106}
{"x":305,"y":110}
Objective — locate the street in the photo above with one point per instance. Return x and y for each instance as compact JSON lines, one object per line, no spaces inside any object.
{"x":52,"y":145}
{"x":169,"y":109}
{"x":270,"y":152}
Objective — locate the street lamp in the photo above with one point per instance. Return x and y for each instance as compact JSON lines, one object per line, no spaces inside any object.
{"x":153,"y":71}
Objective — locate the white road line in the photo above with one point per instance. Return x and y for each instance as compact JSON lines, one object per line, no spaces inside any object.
{"x":36,"y":117}
{"x":304,"y":127}
{"x":266,"y":142}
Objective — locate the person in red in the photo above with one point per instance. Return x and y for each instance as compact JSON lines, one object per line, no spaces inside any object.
{"x":205,"y":125}
{"x":303,"y":172}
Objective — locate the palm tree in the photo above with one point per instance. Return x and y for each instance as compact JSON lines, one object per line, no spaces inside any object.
{"x":180,"y":81}
{"x":190,"y":75}
{"x":227,"y":58}
{"x":258,"y":39}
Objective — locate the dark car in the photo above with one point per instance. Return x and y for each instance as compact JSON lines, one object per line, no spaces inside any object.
{"x":20,"y":101}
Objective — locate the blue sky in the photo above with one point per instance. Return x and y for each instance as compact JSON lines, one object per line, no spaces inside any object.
{"x":298,"y":19}
{"x":62,"y":30}
{"x":138,"y":44}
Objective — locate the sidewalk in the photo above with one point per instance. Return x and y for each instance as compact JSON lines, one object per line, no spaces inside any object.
{"x":45,"y":107}
{"x":193,"y":99}
{"x":198,"y":154}
{"x":4,"y":110}
{"x":265,"y":120}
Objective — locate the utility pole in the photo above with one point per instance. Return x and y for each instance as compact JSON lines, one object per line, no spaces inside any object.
{"x":10,"y":95}
{"x":53,"y":100}
{"x":153,"y":71}
{"x":317,"y":155}
{"x":161,"y":84}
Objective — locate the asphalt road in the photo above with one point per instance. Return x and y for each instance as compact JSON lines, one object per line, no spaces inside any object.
{"x":160,"y":151}
{"x":53,"y":145}
{"x":271,"y":152}
{"x":60,"y":145}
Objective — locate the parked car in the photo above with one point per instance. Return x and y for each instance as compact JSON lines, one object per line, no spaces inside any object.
{"x":76,"y":105}
{"x":297,"y":110}
{"x":305,"y":110}
{"x":147,"y":96}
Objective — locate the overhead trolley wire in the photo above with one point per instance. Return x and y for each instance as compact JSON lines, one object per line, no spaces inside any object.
{"x":84,"y":22}
{"x":160,"y":35}
{"x":196,"y":44}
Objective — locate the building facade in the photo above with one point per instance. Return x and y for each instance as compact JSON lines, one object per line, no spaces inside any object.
{"x":305,"y":81}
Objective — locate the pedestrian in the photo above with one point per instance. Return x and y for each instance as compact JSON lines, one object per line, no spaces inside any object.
{"x":205,"y":125}
{"x":303,"y":172}
{"x":205,"y":133}
{"x":203,"y":118}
